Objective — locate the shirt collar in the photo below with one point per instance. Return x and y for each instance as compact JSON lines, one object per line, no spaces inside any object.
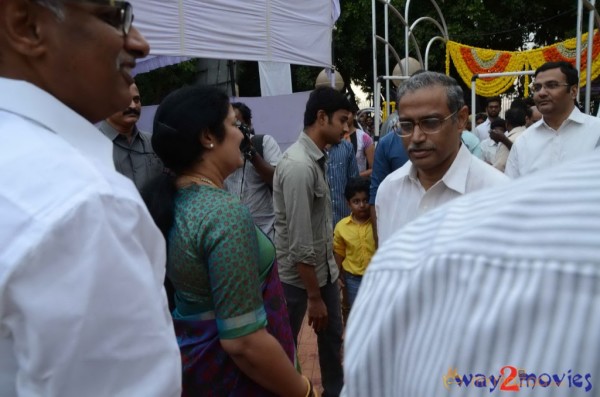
{"x":42,"y":108}
{"x":576,"y":116}
{"x":456,"y":176}
{"x":312,"y":150}
{"x":351,"y":220}
{"x":111,"y":133}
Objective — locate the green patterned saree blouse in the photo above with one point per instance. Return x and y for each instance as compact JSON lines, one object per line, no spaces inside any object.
{"x":217,"y":261}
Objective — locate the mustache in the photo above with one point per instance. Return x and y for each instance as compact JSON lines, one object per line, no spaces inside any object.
{"x":129,"y":111}
{"x":414,"y":147}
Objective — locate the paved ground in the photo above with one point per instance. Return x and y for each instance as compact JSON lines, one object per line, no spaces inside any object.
{"x":308,"y":354}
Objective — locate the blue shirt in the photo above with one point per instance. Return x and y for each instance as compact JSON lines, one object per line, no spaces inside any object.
{"x":389,"y":156}
{"x":341,"y":168}
{"x":472,"y":143}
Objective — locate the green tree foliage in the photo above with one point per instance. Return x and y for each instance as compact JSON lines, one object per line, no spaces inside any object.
{"x":502,"y":25}
{"x":157,"y":84}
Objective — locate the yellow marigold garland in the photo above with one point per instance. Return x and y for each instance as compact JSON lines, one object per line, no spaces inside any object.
{"x":472,"y":60}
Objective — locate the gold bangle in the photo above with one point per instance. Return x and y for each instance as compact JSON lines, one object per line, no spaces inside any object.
{"x":309,"y":390}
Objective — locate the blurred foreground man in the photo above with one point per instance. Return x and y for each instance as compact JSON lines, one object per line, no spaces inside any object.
{"x":82,"y":306}
{"x":461,"y":318}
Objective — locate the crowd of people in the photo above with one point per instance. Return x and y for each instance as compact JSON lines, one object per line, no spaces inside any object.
{"x":184,"y":262}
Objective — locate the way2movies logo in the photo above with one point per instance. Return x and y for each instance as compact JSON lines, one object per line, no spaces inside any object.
{"x":511,"y":379}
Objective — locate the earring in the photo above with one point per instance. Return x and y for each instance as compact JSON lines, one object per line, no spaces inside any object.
{"x":212,"y":145}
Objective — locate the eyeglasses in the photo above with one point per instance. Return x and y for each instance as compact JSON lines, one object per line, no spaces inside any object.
{"x":120,"y":17}
{"x":430,"y":125}
{"x":548,"y":86}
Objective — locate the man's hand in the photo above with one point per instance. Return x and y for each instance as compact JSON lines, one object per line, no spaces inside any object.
{"x":496,"y":136}
{"x":317,"y":314}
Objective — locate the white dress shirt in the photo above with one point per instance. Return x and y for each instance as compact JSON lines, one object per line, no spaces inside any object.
{"x":401,"y":197}
{"x":82,"y":305}
{"x":483,"y":129}
{"x":505,"y":277}
{"x":541,"y":147}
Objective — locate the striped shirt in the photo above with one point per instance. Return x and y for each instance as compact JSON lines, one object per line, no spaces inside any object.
{"x":341,"y":167}
{"x":526,"y":295}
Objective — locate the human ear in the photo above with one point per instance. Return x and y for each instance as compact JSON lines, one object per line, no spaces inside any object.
{"x":207,"y":140}
{"x":24,"y":24}
{"x":322,"y":117}
{"x":462,"y":116}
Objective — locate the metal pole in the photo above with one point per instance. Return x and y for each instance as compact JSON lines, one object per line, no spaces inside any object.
{"x":473,"y":113}
{"x":387,"y":58}
{"x":406,"y":35}
{"x":374,"y":43}
{"x":231,"y":65}
{"x":578,"y":48}
{"x":376,"y":106}
{"x":588,"y":69}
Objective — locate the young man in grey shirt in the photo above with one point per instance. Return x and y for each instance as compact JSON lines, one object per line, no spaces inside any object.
{"x":304,"y":231}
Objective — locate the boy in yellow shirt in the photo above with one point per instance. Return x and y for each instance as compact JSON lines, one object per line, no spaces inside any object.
{"x":353,"y":242}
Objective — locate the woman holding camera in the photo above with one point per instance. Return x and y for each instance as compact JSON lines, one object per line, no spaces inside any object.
{"x":230,"y":316}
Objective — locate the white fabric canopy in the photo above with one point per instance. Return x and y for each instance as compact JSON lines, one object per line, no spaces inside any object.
{"x":297,"y":32}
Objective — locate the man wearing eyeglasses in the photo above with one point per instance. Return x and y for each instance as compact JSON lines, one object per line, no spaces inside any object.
{"x":82,"y":306}
{"x":563,"y":133}
{"x":431,"y":117}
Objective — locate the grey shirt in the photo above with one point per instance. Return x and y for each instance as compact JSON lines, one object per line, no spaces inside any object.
{"x":303,"y":218}
{"x":252,"y":191}
{"x":136,"y":160}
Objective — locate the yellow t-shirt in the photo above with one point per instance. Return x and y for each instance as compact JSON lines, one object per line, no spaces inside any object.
{"x":355,"y":243}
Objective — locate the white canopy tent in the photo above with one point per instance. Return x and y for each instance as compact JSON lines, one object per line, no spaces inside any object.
{"x":270,"y":31}
{"x":297,"y":32}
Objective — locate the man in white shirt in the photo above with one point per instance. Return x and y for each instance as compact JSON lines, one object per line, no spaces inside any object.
{"x":564,"y":133}
{"x":82,"y":305}
{"x":496,"y":282}
{"x":493,"y":107}
{"x":431,"y":118}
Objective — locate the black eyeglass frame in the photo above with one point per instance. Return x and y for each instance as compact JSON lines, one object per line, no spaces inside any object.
{"x":548,"y":86}
{"x":126,"y":12}
{"x":398,"y":129}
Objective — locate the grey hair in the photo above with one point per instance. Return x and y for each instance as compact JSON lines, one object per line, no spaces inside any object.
{"x":56,"y":6}
{"x":454,"y":94}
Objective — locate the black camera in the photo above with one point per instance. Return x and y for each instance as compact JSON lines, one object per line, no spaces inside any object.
{"x":246,"y":146}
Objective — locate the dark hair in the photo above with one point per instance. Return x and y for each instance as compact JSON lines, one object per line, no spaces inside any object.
{"x":178,"y":122}
{"x":529,"y":112}
{"x":565,"y":67}
{"x":515,"y":117}
{"x":326,"y":99}
{"x":357,"y":185}
{"x":498,"y":123}
{"x":245,"y":112}
{"x":529,"y":102}
{"x":480,"y":116}
{"x":493,"y":99}
{"x":518,"y":103}
{"x":180,"y":119}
